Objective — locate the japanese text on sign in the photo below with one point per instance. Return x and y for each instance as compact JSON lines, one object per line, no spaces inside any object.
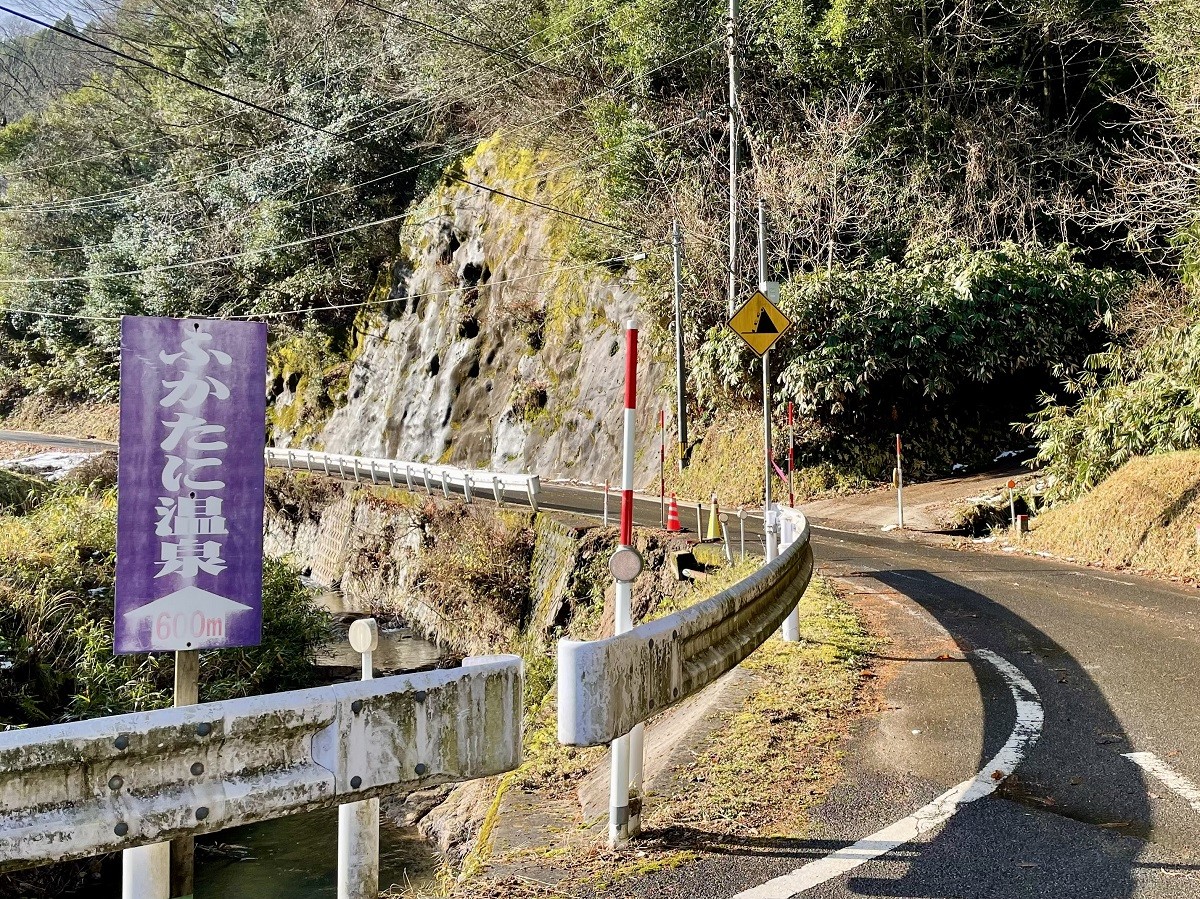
{"x":189,"y":552}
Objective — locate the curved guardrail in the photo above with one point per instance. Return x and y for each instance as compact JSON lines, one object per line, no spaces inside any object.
{"x":606,"y":687}
{"x":411,"y":476}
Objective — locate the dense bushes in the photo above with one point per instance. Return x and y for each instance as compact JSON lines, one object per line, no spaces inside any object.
{"x":1132,"y":402}
{"x":56,"y":610}
{"x":475,"y":562}
{"x":947,"y":349}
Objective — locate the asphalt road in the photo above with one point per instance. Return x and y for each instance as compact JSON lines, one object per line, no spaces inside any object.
{"x":646,"y":512}
{"x":71,"y":444}
{"x":1115,"y":661}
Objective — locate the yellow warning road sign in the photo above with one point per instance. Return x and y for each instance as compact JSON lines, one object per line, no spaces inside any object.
{"x":759,"y":322}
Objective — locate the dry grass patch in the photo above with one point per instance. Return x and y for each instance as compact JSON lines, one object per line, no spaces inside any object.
{"x":728,"y":461}
{"x":1143,"y":517}
{"x":759,"y":774}
{"x":756,"y":775}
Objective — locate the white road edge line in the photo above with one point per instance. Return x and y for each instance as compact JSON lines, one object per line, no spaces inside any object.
{"x":1026,"y":730}
{"x":1180,"y":785}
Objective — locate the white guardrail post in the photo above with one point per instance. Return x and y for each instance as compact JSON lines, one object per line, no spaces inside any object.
{"x":75,"y":790}
{"x":383,"y":471}
{"x":607,"y":687}
{"x":787,"y":536}
{"x":358,"y":822}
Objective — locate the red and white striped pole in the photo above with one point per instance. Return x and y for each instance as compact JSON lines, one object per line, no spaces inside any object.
{"x":791,"y":457}
{"x":631,"y":336}
{"x":626,"y":770}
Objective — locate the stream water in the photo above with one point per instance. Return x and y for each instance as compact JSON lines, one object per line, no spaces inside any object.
{"x":295,"y":857}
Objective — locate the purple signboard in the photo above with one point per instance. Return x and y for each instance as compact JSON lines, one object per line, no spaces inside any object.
{"x":190,"y":485}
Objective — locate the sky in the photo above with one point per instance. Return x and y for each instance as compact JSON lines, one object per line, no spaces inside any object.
{"x":47,"y":10}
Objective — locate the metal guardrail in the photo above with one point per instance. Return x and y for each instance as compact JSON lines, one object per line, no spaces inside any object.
{"x":74,"y":790}
{"x":410,"y":475}
{"x":606,"y":687}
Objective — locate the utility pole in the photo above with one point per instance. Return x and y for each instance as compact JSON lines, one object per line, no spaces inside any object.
{"x":733,"y":153}
{"x":770,"y":534}
{"x":771,"y":522}
{"x":680,"y":395}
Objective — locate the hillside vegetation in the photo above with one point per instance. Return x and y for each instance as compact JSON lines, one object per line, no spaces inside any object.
{"x":1142,"y":517}
{"x":966,"y":202}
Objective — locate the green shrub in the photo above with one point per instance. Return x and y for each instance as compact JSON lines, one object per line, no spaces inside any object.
{"x":947,"y":349}
{"x":57,"y":567}
{"x":1132,"y":402}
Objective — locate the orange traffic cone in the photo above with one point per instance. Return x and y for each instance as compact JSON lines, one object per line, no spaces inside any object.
{"x":673,"y":515}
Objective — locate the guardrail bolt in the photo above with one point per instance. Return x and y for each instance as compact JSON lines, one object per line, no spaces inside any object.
{"x":355,"y":782}
{"x":201,"y":813}
{"x":197,"y":769}
{"x":356,"y":706}
{"x":121,"y":742}
{"x":420,"y":695}
{"x":203,"y":729}
{"x":421,"y":769}
{"x":121,"y":829}
{"x":116,"y":782}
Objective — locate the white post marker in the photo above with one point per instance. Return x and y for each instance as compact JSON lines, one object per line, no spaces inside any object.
{"x":1012,"y":504}
{"x":899,"y":487}
{"x":358,"y":822}
{"x":790,"y":629}
{"x":742,"y":531}
{"x":146,"y":872}
{"x":626,"y":565}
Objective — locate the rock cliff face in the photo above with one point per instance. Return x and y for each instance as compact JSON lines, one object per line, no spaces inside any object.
{"x":490,"y":347}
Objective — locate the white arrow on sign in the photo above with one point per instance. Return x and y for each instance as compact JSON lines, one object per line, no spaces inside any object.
{"x":189,"y":618}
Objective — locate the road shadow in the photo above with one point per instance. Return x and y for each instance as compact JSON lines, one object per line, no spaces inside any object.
{"x":1071,"y":821}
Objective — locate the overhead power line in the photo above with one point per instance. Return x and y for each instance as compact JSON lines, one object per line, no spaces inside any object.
{"x":466,"y":41}
{"x":86,"y":203}
{"x":557,"y":270}
{"x":365,"y":225}
{"x":555,"y":209}
{"x":74,"y":35}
